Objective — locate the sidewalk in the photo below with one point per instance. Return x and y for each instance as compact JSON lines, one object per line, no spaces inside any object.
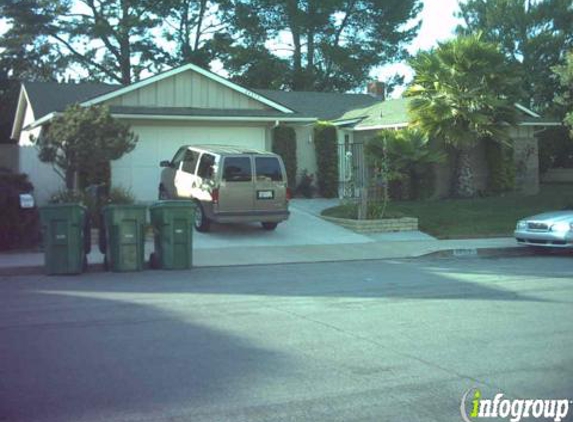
{"x":305,"y":237}
{"x":32,"y":262}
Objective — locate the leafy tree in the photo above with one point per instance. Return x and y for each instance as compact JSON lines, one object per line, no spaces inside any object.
{"x":9,"y":91}
{"x":463,"y":91}
{"x":535,"y":34}
{"x":27,"y":53}
{"x":565,"y":74}
{"x":83,"y":140}
{"x":194,"y":27}
{"x":332,"y":44}
{"x":110,"y":39}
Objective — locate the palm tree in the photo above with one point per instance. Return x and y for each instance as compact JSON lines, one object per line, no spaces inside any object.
{"x":463,"y":91}
{"x":408,"y":154}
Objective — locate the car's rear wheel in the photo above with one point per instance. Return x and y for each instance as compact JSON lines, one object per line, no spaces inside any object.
{"x":202,"y":223}
{"x":269,"y":226}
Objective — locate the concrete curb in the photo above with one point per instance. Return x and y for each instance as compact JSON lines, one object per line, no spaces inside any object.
{"x":463,"y":253}
{"x":493,"y":252}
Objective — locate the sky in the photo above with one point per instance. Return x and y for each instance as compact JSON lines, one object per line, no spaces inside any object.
{"x":438,"y":24}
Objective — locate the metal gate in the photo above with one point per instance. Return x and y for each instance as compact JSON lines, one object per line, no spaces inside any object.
{"x":352,"y":171}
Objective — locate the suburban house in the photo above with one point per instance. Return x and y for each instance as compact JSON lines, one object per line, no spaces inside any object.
{"x":363,"y":124}
{"x":190,"y":105}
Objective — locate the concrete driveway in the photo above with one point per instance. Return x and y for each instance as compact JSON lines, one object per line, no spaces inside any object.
{"x":304,"y":227}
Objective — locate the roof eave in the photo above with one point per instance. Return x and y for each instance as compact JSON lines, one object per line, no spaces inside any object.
{"x":176,"y":71}
{"x":214,"y":118}
{"x":380,"y":127}
{"x":23,"y":102}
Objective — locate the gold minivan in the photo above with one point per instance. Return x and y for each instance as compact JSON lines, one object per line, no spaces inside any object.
{"x":228,"y":184}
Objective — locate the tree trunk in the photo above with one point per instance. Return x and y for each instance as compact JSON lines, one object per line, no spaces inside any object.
{"x":464,"y":182}
{"x":295,"y":29}
{"x":124,"y":44}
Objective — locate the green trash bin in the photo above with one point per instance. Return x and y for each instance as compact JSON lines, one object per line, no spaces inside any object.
{"x":65,"y":230}
{"x":172,"y":223}
{"x":124,"y":227}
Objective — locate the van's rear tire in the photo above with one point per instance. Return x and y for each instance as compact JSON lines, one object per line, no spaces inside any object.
{"x":269,"y":226}
{"x":202,"y":223}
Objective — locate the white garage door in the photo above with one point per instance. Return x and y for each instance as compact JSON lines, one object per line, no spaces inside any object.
{"x":140,"y":171}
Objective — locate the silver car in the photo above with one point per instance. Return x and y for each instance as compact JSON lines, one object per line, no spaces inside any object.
{"x":550,"y":229}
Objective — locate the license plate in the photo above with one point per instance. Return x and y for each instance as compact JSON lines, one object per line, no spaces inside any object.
{"x":265,"y":194}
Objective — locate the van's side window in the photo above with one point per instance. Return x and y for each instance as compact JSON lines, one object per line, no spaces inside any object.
{"x":178,"y":157}
{"x":190,"y":161}
{"x":205,"y":170}
{"x":237,"y":169}
{"x":268,"y":168}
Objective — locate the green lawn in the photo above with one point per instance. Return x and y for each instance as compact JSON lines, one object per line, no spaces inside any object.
{"x":480,"y":217}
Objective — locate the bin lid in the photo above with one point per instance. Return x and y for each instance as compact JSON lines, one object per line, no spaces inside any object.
{"x":173,"y":203}
{"x":63,"y":205}
{"x":125,"y":207}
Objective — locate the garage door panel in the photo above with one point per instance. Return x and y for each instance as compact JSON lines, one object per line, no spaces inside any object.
{"x":140,"y":171}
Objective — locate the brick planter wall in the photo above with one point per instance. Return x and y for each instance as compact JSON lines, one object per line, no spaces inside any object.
{"x":376,"y":226}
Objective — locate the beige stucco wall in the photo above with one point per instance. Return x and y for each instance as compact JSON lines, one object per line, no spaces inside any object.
{"x":305,"y":150}
{"x":526,"y":158}
{"x":45,"y":180}
{"x":188,"y":89}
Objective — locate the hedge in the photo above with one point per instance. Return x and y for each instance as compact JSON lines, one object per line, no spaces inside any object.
{"x":284,"y":144}
{"x":19,"y":228}
{"x":501,"y":168}
{"x":326,"y":159}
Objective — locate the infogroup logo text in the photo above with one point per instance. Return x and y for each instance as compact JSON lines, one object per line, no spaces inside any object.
{"x":512,"y":409}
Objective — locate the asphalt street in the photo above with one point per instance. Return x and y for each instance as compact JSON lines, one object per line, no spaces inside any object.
{"x":395,"y":340}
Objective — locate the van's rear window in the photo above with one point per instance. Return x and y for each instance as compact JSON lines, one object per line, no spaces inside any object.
{"x":237,"y":169}
{"x":268,"y":168}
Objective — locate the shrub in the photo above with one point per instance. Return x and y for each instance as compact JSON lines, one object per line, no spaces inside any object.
{"x":92,"y":201}
{"x":19,"y":228}
{"x":410,"y":158}
{"x":82,"y":141}
{"x":555,"y":149}
{"x":284,"y":144}
{"x":326,"y":159}
{"x":305,"y":187}
{"x":501,"y":167}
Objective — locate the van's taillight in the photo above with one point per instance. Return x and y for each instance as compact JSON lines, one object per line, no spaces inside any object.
{"x":288,"y":194}
{"x":215,"y":196}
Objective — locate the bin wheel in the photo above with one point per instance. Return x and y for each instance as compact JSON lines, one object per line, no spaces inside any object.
{"x":153,"y":261}
{"x":269,"y":226}
{"x":202,"y":223}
